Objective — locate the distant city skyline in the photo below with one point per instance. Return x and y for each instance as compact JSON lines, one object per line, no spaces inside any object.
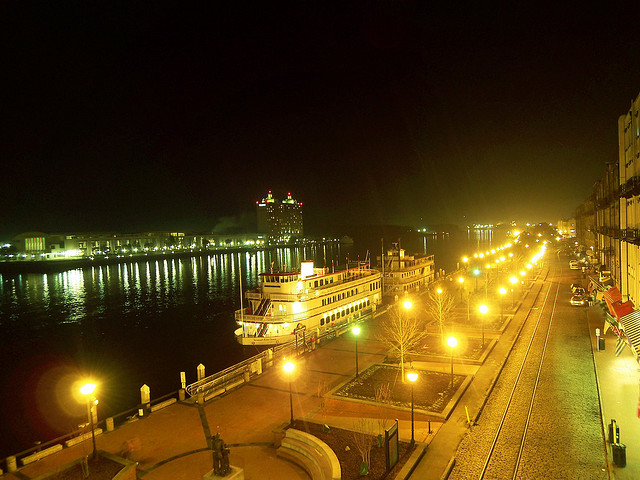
{"x":404,"y":113}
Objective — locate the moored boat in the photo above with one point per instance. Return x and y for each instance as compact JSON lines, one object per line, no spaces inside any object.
{"x":403,"y":273}
{"x":306,"y":302}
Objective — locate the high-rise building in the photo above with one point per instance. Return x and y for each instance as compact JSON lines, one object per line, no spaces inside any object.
{"x":279,"y":220}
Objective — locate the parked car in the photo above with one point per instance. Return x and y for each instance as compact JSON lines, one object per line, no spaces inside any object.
{"x":578,"y":300}
{"x":573,"y":265}
{"x":573,"y":287}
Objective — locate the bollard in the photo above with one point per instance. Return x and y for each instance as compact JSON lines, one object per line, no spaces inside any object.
{"x":270,"y":357}
{"x":259,"y":366}
{"x":247,"y":374}
{"x":200,"y":398}
{"x":109,"y":424}
{"x":12,"y":465}
{"x":200,"y":371}
{"x":145,"y":398}
{"x":181,"y":395}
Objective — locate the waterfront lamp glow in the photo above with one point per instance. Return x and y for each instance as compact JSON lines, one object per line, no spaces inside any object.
{"x":412,"y":376}
{"x":87,"y":390}
{"x":452,"y":342}
{"x":356,"y":332}
{"x":289,"y":367}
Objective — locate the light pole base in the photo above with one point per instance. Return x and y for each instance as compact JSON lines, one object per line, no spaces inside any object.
{"x":236,"y":473}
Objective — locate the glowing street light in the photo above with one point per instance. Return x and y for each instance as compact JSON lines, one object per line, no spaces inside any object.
{"x":87,"y":390}
{"x":483,"y":310}
{"x":289,"y":367}
{"x":356,"y":332}
{"x":452,"y":342}
{"x":412,"y":376}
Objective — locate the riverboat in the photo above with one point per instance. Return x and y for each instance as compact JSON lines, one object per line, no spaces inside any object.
{"x":307,"y":303}
{"x":403,"y":274}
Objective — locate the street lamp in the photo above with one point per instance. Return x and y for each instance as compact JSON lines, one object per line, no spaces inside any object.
{"x":502,"y":291}
{"x":87,"y":390}
{"x":412,"y":376}
{"x":452,"y":342}
{"x":513,"y":281}
{"x":289,"y":367}
{"x":486,"y":280}
{"x":483,"y":310}
{"x":356,"y":332}
{"x":476,"y":272}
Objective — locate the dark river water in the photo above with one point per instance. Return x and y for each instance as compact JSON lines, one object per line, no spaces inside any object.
{"x":138,"y":323}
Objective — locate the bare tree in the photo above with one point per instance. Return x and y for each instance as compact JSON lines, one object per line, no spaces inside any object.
{"x":439,"y":306}
{"x":363,"y":441}
{"x":402,"y":333}
{"x":382,"y":394}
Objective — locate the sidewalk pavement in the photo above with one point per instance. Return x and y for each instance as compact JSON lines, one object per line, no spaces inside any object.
{"x":618,"y":379}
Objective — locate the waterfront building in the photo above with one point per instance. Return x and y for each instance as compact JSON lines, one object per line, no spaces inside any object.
{"x":608,"y":221}
{"x":87,"y":244}
{"x":279,"y":221}
{"x":629,"y":172}
{"x":404,"y":274}
{"x":567,"y":227}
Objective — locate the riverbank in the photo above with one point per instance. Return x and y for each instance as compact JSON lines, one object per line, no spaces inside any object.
{"x":55,"y":265}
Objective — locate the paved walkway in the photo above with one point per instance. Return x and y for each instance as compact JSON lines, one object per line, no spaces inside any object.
{"x":618,"y":378}
{"x":172,"y":441}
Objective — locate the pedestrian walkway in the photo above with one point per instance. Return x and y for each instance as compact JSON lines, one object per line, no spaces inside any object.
{"x":618,"y":380}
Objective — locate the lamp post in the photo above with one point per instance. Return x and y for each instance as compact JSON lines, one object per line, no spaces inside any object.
{"x":476,"y":272}
{"x":356,"y":332}
{"x":486,"y":280}
{"x":412,"y":376}
{"x":289,"y":367}
{"x":483,"y":310}
{"x":87,"y":390}
{"x":502,"y":291}
{"x":513,"y":281}
{"x":452,"y":342}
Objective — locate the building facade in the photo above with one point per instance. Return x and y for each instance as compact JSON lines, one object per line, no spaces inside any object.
{"x":629,"y":172}
{"x":279,"y":220}
{"x":608,"y":222}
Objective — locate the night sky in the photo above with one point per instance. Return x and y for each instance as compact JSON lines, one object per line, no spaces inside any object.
{"x":140,"y":116}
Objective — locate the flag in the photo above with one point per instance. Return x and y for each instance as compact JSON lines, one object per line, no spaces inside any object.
{"x":620,"y":344}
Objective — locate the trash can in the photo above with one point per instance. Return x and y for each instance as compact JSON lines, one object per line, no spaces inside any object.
{"x":619,"y":454}
{"x":600,"y":343}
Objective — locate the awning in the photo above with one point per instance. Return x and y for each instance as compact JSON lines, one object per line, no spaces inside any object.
{"x":613,"y":295}
{"x":622,"y":309}
{"x":631,"y":326}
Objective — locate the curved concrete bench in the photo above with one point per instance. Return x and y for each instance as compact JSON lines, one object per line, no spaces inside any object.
{"x":311,"y":453}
